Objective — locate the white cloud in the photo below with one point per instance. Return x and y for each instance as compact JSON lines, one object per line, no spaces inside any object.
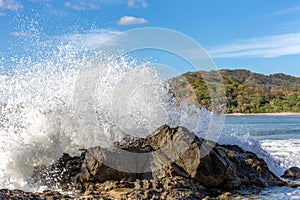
{"x":269,"y":46}
{"x":2,"y":14}
{"x":22,"y":34}
{"x":137,"y":4}
{"x":91,"y":39}
{"x":129,"y":20}
{"x":81,"y":6}
{"x":10,"y":5}
{"x":286,"y":11}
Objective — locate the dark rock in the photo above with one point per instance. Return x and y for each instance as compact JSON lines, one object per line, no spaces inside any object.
{"x":250,"y":170}
{"x":224,"y":166}
{"x":62,"y":174}
{"x":192,"y":168}
{"x":6,"y":194}
{"x":210,"y":170}
{"x":293,"y":173}
{"x":94,"y":170}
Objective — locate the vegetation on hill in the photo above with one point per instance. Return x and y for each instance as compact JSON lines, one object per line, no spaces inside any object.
{"x":246,"y":91}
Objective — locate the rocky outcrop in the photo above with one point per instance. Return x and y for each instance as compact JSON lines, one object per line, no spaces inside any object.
{"x":292,"y":173}
{"x":201,"y":169}
{"x":225,"y":166}
{"x":250,"y":170}
{"x":62,"y":174}
{"x":6,"y":194}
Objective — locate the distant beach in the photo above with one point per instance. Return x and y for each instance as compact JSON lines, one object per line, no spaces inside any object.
{"x":264,"y":114}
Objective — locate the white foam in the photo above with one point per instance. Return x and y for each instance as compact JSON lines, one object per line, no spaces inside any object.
{"x":37,"y":113}
{"x":287,"y":151}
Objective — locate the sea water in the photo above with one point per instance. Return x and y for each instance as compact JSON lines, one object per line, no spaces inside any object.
{"x":274,"y":138}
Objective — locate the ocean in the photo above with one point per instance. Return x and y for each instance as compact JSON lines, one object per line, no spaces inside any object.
{"x":274,"y":138}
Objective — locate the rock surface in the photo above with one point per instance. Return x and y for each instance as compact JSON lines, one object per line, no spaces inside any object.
{"x":201,"y":170}
{"x":293,"y":173}
{"x":19,"y":194}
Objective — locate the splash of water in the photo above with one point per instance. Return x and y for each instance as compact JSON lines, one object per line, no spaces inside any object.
{"x":38,"y":120}
{"x":36,"y":103}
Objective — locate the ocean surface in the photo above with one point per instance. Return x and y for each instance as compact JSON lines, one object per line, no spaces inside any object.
{"x":278,"y":136}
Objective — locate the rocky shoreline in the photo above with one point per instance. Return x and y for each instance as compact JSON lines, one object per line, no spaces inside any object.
{"x":221,"y":173}
{"x":265,"y":114}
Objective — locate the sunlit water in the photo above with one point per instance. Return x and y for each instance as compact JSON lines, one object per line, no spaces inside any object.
{"x":276,"y":139}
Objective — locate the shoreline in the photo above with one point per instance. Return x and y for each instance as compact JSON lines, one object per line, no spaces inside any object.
{"x":264,"y":114}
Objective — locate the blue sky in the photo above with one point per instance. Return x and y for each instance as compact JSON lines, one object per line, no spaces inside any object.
{"x":262,"y":36}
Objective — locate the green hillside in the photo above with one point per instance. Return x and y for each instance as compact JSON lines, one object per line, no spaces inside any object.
{"x":246,"y":91}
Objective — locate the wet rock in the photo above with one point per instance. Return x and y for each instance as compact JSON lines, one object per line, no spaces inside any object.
{"x":6,"y":194}
{"x":251,"y":171}
{"x":192,"y":168}
{"x":293,"y":173}
{"x":62,"y":174}
{"x":213,"y":165}
{"x":93,"y":168}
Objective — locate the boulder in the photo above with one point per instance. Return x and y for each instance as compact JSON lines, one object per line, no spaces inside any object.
{"x":190,"y":167}
{"x":61,"y":174}
{"x":213,"y":165}
{"x":251,"y":171}
{"x":197,"y":160}
{"x":93,"y":168}
{"x":292,"y":173}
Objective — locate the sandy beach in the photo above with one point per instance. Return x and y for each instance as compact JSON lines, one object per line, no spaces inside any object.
{"x":265,"y":114}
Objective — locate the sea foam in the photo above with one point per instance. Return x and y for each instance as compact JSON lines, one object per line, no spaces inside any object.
{"x":39,"y":122}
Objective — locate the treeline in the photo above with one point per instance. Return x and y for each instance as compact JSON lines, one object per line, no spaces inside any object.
{"x":246,"y":91}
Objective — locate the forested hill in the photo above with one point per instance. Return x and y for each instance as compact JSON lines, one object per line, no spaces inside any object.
{"x":246,"y":91}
